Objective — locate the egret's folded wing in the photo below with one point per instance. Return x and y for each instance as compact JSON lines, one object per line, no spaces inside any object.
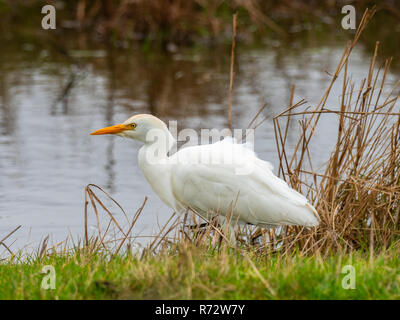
{"x":259,"y":197}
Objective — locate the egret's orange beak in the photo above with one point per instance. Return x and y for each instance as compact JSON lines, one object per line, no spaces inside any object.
{"x":111,"y":130}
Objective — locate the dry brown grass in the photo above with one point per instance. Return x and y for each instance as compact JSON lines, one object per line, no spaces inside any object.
{"x":357,"y":192}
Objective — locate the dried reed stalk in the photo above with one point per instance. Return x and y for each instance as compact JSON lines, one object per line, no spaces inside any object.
{"x":232,"y":72}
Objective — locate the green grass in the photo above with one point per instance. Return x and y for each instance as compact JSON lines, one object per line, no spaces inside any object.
{"x":198,"y":274}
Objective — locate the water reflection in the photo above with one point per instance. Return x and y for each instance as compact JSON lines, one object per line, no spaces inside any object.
{"x":109,"y":167}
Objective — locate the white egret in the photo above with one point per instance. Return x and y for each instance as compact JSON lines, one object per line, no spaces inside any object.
{"x":241,"y":185}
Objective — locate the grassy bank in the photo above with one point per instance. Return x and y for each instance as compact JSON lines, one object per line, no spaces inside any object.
{"x":192,"y":273}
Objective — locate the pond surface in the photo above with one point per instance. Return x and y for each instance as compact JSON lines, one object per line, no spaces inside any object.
{"x":50,"y":102}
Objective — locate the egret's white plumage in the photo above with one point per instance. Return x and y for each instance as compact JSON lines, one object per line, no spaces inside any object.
{"x":220,"y":178}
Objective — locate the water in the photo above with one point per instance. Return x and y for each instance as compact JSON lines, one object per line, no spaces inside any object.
{"x":50,"y":102}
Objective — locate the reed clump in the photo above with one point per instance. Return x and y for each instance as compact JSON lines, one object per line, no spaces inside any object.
{"x":357,"y":192}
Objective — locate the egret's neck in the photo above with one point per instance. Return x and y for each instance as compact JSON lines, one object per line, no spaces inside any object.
{"x":153,"y":161}
{"x":157,"y":144}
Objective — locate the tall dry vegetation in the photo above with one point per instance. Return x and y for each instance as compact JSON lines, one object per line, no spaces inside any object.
{"x":357,"y":193}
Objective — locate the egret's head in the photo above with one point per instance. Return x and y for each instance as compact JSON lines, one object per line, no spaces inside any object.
{"x":136,"y":127}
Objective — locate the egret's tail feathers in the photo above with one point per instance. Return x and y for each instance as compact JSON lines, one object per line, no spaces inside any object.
{"x":314,"y":219}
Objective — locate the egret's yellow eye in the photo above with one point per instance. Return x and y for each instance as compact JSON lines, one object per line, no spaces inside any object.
{"x":132,"y":125}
